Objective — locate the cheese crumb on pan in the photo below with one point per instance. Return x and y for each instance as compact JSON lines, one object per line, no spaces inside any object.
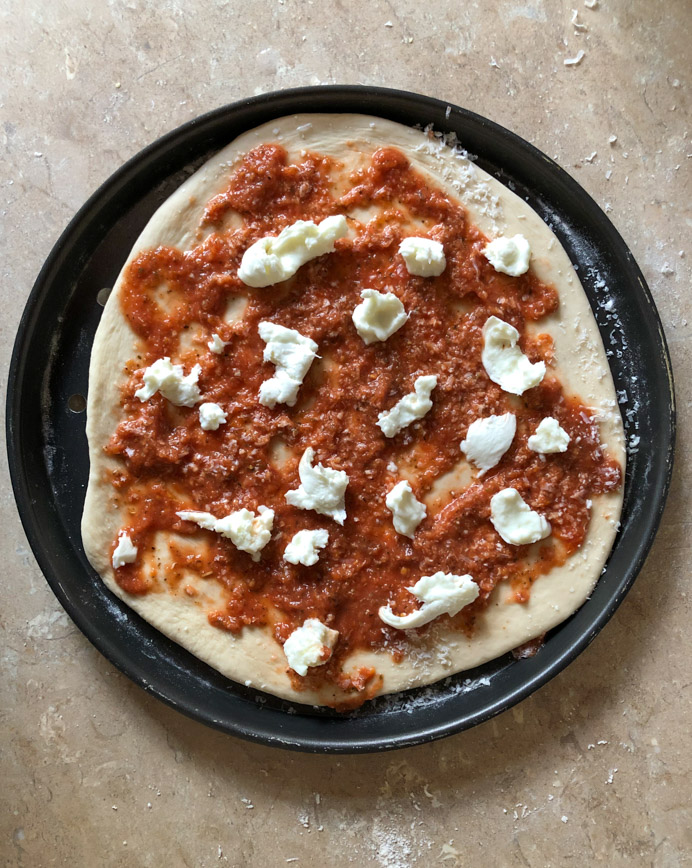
{"x":504,"y":362}
{"x":514,"y":519}
{"x":309,"y":645}
{"x":274,"y":259}
{"x":441,"y":594}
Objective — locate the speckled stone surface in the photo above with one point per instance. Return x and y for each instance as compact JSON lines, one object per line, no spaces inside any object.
{"x":595,"y":768}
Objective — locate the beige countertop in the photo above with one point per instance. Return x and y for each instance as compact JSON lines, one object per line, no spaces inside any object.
{"x":593,"y":769}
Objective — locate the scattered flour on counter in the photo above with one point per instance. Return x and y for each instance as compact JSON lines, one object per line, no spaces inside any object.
{"x":448,"y":852}
{"x":434,"y":801}
{"x":394,"y":848}
{"x":576,"y":60}
{"x":49,"y":625}
{"x":576,"y":23}
{"x":525,"y":811}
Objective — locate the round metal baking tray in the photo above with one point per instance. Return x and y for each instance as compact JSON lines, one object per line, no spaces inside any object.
{"x":48,"y":451}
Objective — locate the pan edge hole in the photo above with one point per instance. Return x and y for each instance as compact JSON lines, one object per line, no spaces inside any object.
{"x":76,"y":403}
{"x":102,"y":295}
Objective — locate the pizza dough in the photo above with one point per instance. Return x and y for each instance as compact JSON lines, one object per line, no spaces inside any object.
{"x":253,"y":656}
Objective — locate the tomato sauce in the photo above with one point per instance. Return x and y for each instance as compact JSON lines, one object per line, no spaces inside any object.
{"x":169,"y":463}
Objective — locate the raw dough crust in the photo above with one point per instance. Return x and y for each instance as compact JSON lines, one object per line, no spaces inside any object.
{"x":253,"y":657}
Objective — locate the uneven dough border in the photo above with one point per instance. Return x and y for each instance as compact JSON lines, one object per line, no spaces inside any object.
{"x":254,"y":657}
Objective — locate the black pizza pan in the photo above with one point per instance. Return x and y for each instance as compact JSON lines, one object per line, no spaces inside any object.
{"x":48,"y":451}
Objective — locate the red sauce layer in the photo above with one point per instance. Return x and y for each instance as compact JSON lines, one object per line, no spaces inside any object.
{"x":170,"y":463}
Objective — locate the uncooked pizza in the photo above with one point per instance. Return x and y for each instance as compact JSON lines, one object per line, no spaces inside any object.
{"x":351,"y":424}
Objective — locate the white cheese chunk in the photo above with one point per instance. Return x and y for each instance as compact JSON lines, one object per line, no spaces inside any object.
{"x":509,"y":255}
{"x":407,"y":512}
{"x":216,"y":345}
{"x":378,"y":316}
{"x":292,"y":354}
{"x":411,"y":407}
{"x":514,"y":519}
{"x":125,"y":552}
{"x":211,"y":416}
{"x":309,"y":645}
{"x":549,"y":437}
{"x":249,"y":532}
{"x":504,"y":361}
{"x":488,"y":439}
{"x":169,"y":379}
{"x":441,"y":594}
{"x":321,"y":488}
{"x":423,"y":256}
{"x":273,"y":259}
{"x":304,"y":548}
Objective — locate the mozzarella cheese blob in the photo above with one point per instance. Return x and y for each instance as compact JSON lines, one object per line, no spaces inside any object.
{"x":304,"y":548}
{"x":211,"y":416}
{"x":216,"y":345}
{"x":249,"y":532}
{"x":488,"y":439}
{"x":549,"y":437}
{"x":292,"y":354}
{"x":514,"y":519}
{"x":169,"y":379}
{"x":309,"y":645}
{"x":273,"y":259}
{"x":504,"y":362}
{"x":125,"y":552}
{"x":321,"y":489}
{"x":441,"y":594}
{"x":509,"y":255}
{"x":378,"y":316}
{"x":410,"y":408}
{"x":407,"y":512}
{"x":423,"y":256}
